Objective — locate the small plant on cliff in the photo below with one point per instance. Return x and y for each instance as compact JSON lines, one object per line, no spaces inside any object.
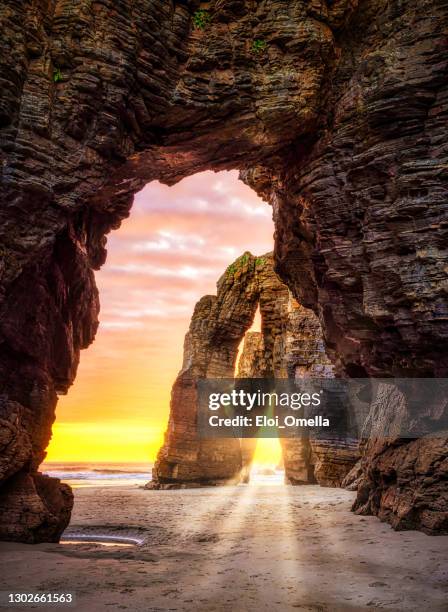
{"x":201,"y":19}
{"x":239,"y":263}
{"x":260,"y":261}
{"x":57,"y":75}
{"x":259,"y":46}
{"x":231,"y":269}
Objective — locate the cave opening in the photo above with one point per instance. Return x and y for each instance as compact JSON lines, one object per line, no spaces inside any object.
{"x":267,"y":464}
{"x":289,"y":345}
{"x":176,"y":244}
{"x":108,"y":121}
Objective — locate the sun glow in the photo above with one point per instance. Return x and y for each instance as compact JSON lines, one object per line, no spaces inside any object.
{"x":168,"y":254}
{"x":121,"y":441}
{"x":268,"y":452}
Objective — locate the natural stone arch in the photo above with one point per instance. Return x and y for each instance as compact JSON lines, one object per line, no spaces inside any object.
{"x":139,"y":95}
{"x":340,"y":124}
{"x":289,"y":345}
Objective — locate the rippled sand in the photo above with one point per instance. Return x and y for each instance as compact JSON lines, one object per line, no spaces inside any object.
{"x":261,"y":548}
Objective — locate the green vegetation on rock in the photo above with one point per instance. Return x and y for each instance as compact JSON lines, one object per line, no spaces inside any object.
{"x":238,"y":264}
{"x":201,"y":19}
{"x":258,"y":46}
{"x":57,"y":75}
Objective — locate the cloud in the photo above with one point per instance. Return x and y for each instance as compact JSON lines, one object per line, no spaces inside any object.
{"x":170,"y":252}
{"x":175,"y":246}
{"x":121,"y":325}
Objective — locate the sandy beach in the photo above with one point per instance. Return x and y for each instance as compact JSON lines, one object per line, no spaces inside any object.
{"x":244,"y":548}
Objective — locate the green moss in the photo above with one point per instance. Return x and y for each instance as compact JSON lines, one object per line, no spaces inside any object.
{"x":238,"y":264}
{"x":259,"y":46}
{"x":201,"y":19}
{"x":57,"y":75}
{"x":260,"y":261}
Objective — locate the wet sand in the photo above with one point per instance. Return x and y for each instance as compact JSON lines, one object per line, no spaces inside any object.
{"x":247,"y":548}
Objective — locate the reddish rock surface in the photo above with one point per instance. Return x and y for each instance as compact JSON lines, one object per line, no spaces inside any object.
{"x":210,"y":351}
{"x":405,"y":484}
{"x":252,"y":363}
{"x":290,"y":343}
{"x":340,"y":122}
{"x":217,"y":328}
{"x":403,"y":481}
{"x":34,"y":508}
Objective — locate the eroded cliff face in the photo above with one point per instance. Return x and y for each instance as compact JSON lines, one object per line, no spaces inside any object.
{"x":289,"y":345}
{"x":298,"y":353}
{"x":339,"y":122}
{"x":218,"y":324}
{"x":361,"y":233}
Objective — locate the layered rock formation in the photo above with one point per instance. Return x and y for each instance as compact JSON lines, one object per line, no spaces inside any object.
{"x":404,"y":481}
{"x":32,"y":507}
{"x":217,"y":328}
{"x":290,"y":341}
{"x":252,"y":363}
{"x":210,"y":351}
{"x":338,"y":119}
{"x":322,"y":460}
{"x":405,"y":484}
{"x":361,"y":224}
{"x":299,"y":352}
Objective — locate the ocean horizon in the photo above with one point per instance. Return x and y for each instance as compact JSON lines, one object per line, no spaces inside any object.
{"x":101,"y":473}
{"x":108,"y":473}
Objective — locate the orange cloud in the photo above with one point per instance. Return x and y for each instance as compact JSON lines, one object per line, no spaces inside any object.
{"x":171,"y":251}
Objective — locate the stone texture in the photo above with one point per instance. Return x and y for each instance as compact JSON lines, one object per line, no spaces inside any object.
{"x":218,"y":326}
{"x":333,"y":459}
{"x":361,"y":222}
{"x":353,"y":479}
{"x":360,"y":214}
{"x":405,"y":484}
{"x":404,"y":481}
{"x":34,"y":508}
{"x":301,"y":354}
{"x":211,"y":346}
{"x":304,"y":353}
{"x":50,"y":314}
{"x":340,"y":123}
{"x":15,"y":442}
{"x":252,"y":363}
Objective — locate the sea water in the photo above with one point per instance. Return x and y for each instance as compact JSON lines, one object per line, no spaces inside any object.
{"x":84,"y":474}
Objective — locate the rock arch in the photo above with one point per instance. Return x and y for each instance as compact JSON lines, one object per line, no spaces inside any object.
{"x":339,"y":123}
{"x":290,"y":344}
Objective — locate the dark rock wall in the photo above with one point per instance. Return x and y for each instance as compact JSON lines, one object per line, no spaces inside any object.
{"x":305,"y":357}
{"x":339,"y":122}
{"x":404,"y":481}
{"x":325,"y":461}
{"x":405,"y":484}
{"x":51,"y":313}
{"x":361,"y":214}
{"x":361,"y":232}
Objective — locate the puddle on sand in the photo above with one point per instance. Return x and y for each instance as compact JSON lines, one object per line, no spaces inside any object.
{"x":102,"y":540}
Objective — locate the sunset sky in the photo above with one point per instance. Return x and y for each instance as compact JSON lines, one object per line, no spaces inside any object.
{"x":166,"y":256}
